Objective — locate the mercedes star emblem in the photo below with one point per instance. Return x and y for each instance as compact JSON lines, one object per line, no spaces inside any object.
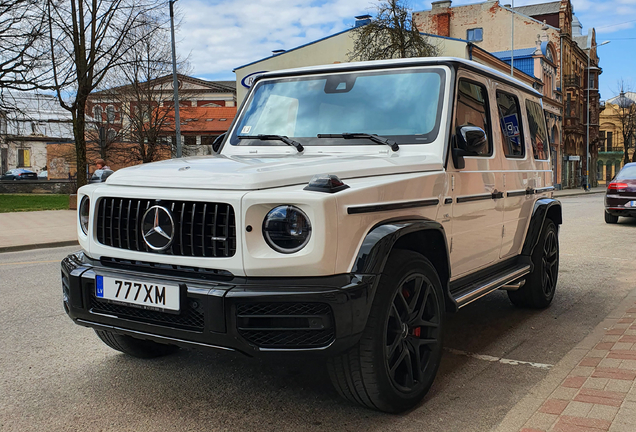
{"x":157,"y":228}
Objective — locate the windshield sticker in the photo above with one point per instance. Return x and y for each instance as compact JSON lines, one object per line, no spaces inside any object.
{"x":246,"y":129}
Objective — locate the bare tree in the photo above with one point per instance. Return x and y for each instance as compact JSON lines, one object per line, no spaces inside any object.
{"x":87,"y":40}
{"x":624,"y":113}
{"x":22,"y":29}
{"x":391,"y":34}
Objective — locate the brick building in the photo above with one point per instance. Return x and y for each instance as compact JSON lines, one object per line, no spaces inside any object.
{"x":491,"y":26}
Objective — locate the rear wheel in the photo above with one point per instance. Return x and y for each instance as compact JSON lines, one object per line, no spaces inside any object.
{"x":393,"y":366}
{"x":610,"y":218}
{"x":139,"y":348}
{"x":538,"y":291}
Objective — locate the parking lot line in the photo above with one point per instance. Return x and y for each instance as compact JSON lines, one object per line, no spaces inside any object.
{"x":493,"y":359}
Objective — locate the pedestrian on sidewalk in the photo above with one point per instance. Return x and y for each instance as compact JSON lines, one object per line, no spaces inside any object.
{"x":100,"y":164}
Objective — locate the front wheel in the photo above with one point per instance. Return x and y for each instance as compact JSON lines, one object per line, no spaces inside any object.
{"x":139,"y":348}
{"x":538,"y":291}
{"x":395,"y":362}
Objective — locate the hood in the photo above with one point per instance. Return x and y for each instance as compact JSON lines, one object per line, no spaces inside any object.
{"x":262,"y":172}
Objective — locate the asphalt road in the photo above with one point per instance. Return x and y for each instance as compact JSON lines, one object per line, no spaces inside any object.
{"x":57,"y":376}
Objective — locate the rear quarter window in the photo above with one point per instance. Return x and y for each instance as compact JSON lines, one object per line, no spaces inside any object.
{"x":511,"y":128}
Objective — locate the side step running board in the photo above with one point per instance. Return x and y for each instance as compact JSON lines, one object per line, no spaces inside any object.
{"x":479,"y":289}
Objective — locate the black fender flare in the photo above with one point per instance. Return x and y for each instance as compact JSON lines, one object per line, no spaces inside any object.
{"x":542,"y":207}
{"x":382,"y":238}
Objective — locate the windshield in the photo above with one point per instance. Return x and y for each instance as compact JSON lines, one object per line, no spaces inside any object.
{"x":404,"y":105}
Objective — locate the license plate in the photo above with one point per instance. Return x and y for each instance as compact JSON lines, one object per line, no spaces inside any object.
{"x":147,"y":295}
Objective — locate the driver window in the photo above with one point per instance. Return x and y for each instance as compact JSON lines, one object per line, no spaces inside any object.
{"x":472,"y":110}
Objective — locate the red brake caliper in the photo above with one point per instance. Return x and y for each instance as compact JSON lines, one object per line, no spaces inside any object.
{"x":417,"y":331}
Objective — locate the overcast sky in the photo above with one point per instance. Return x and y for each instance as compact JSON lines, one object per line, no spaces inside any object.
{"x":220,"y":35}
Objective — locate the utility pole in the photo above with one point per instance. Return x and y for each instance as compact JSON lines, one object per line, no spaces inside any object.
{"x":175,"y":82}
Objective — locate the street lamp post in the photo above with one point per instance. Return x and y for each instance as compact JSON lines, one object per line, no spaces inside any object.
{"x":587,"y":141}
{"x":175,"y":82}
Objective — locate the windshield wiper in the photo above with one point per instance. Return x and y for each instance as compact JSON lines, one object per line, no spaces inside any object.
{"x":290,"y":142}
{"x":374,"y":138}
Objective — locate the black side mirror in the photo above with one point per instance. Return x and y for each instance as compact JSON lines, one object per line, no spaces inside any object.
{"x":470,"y":141}
{"x":216,"y":145}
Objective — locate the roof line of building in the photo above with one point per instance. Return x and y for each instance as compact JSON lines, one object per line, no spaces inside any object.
{"x":293,"y":49}
{"x":532,"y":77}
{"x":528,"y":17}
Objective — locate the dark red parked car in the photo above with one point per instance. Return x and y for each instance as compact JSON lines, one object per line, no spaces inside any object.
{"x":620,"y":197}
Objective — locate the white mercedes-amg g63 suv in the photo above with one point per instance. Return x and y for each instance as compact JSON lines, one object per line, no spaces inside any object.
{"x":347,"y":210}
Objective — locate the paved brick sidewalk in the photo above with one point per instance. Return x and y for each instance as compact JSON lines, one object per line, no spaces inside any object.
{"x":592,"y":389}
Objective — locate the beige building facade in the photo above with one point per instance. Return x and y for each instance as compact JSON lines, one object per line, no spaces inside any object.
{"x":496,"y":28}
{"x":611,"y":155}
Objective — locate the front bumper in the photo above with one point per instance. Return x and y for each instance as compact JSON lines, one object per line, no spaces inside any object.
{"x":249,"y":315}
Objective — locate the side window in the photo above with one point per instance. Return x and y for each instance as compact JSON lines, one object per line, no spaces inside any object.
{"x":472,"y":110}
{"x":538,"y":133}
{"x":511,"y":130}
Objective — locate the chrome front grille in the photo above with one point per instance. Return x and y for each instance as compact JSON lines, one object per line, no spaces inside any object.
{"x":201,"y":229}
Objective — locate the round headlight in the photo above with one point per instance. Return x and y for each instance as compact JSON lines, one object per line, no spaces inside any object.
{"x":84,"y":210}
{"x":286,"y":229}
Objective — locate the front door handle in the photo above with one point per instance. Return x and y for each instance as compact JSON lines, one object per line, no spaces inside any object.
{"x":497,"y":195}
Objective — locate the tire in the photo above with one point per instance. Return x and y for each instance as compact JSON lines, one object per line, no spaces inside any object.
{"x":538,"y":291}
{"x":610,"y":218}
{"x":405,"y":322}
{"x":139,"y":348}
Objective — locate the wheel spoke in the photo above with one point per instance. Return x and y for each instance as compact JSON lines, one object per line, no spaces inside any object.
{"x":410,"y":373}
{"x":391,"y":348}
{"x":398,"y":361}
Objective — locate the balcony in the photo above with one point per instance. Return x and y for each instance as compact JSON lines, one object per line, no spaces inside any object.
{"x":573,"y":80}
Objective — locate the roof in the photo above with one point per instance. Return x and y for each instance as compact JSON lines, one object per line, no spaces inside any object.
{"x":36,"y":114}
{"x":540,"y":9}
{"x":581,"y":41}
{"x":203,"y":119}
{"x":519,"y":53}
{"x":623,"y":100}
{"x":214,"y":86}
{"x":395,"y":63}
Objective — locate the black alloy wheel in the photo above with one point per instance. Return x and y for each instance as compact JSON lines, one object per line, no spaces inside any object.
{"x":412,"y":332}
{"x":395,"y":362}
{"x":540,"y":285}
{"x":550,"y":261}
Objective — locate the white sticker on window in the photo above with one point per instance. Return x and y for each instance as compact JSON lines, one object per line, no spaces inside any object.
{"x":246,"y":129}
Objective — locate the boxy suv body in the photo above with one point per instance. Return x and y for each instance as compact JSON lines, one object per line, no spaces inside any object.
{"x":348,"y":209}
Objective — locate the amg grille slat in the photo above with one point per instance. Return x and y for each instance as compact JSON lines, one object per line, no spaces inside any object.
{"x":181,"y":229}
{"x":200,"y":229}
{"x":205,"y":212}
{"x":136,"y":225}
{"x":194,"y":206}
{"x":121,"y":206}
{"x":128,"y":224}
{"x":216,"y":212}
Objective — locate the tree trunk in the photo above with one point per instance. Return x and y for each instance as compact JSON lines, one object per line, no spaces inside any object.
{"x":79,"y":126}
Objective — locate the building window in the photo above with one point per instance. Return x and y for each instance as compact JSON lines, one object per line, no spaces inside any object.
{"x":110,"y":114}
{"x":475,"y":35}
{"x":24,"y":158}
{"x":610,"y":141}
{"x":602,"y":143}
{"x":189,"y":140}
{"x":97,"y":111}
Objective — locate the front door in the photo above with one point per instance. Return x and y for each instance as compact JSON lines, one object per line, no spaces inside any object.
{"x":477,"y":219}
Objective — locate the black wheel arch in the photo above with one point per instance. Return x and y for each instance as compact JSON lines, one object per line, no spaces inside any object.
{"x":544,"y":208}
{"x":423,"y":236}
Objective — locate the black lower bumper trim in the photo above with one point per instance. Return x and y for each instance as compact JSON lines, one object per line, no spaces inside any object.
{"x":250,"y":315}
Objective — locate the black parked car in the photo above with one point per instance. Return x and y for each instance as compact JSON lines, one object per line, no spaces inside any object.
{"x":19,"y":174}
{"x":620,"y":197}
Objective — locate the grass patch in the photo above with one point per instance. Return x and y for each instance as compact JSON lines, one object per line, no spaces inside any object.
{"x":32,"y":202}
